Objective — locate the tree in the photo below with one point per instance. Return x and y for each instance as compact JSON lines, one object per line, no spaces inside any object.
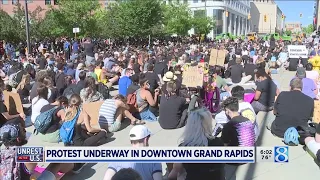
{"x":288,"y":33}
{"x":8,"y":31}
{"x":135,"y":18}
{"x":203,"y":25}
{"x":177,"y":19}
{"x":308,"y":30}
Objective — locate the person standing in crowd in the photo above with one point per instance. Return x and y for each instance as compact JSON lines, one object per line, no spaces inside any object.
{"x":89,"y":51}
{"x":139,"y":137}
{"x":67,"y":49}
{"x":60,"y":79}
{"x":288,"y":112}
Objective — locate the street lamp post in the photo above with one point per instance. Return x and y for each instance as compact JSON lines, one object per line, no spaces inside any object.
{"x":27,"y":25}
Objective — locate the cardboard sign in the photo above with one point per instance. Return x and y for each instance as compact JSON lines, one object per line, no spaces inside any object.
{"x":217,"y":57}
{"x":192,"y":77}
{"x":13,"y":102}
{"x":296,"y":51}
{"x":316,"y":112}
{"x":76,"y":30}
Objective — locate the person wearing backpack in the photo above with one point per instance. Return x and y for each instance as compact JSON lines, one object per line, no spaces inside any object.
{"x":11,"y":136}
{"x":39,"y":101}
{"x":52,"y":134}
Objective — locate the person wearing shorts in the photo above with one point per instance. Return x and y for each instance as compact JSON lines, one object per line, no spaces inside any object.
{"x":313,"y":143}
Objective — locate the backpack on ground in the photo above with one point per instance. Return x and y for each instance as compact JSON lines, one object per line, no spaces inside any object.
{"x":43,"y":121}
{"x":291,"y":137}
{"x":104,"y":90}
{"x":13,"y":82}
{"x":67,"y":129}
{"x":132,"y":102}
{"x":9,"y":168}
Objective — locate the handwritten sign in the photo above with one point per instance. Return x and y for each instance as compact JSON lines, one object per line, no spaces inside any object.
{"x":192,"y":77}
{"x":217,"y":57}
{"x":296,"y":51}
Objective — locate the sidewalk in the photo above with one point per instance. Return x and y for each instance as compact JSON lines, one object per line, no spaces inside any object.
{"x":300,"y":166}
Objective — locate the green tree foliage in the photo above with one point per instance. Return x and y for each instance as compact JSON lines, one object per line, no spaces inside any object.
{"x":203,"y":25}
{"x":288,"y":33}
{"x":308,"y":30}
{"x":177,"y":19}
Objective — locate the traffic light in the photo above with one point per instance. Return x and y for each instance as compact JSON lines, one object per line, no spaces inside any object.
{"x":283,"y":16}
{"x":227,"y":13}
{"x":265,"y":18}
{"x":249,"y":16}
{"x":300,"y":15}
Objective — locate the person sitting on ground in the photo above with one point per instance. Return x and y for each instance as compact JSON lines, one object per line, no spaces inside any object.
{"x":139,"y":137}
{"x":23,"y":88}
{"x":309,"y":86}
{"x":198,"y":132}
{"x":152,"y":77}
{"x":125,"y":82}
{"x":245,"y":109}
{"x":41,"y":75}
{"x":313,"y":143}
{"x":173,"y":111}
{"x":112,"y":112}
{"x":13,"y":135}
{"x":38,"y":102}
{"x":238,"y":74}
{"x":249,"y":69}
{"x":239,"y":131}
{"x":90,"y":93}
{"x":70,"y":87}
{"x":81,"y":84}
{"x":134,"y":86}
{"x":288,"y":112}
{"x":52,"y":91}
{"x":265,"y":93}
{"x":218,"y":82}
{"x":312,"y":74}
{"x":52,"y":134}
{"x":144,"y":99}
{"x":126,"y":174}
{"x":59,"y":80}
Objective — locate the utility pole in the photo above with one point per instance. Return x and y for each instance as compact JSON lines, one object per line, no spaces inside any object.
{"x":27,"y":25}
{"x":270,"y":22}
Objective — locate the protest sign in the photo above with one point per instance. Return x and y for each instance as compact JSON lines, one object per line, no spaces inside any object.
{"x":192,"y":77}
{"x":217,"y":57}
{"x":296,"y":51}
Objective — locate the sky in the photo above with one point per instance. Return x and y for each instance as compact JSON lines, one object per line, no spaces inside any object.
{"x":292,"y":9}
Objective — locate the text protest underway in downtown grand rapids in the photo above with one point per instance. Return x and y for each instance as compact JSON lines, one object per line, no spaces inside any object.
{"x":159,"y":90}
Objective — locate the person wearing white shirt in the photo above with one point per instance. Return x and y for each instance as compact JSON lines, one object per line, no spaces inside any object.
{"x":39,"y":101}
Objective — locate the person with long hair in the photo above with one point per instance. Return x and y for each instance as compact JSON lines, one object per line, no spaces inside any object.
{"x":198,"y":132}
{"x":52,"y":91}
{"x":24,"y":88}
{"x":90,"y":93}
{"x":39,"y":101}
{"x":265,"y":93}
{"x":145,"y":99}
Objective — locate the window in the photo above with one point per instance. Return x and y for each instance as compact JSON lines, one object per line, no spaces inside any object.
{"x":195,"y":1}
{"x":15,"y":2}
{"x":185,"y":1}
{"x":203,"y":0}
{"x":29,"y":1}
{"x":5,"y":2}
{"x":47,"y":2}
{"x":55,"y":2}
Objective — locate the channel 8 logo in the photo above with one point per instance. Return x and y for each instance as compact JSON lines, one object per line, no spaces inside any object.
{"x":281,"y":154}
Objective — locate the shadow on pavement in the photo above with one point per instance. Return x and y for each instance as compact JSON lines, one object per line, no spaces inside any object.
{"x":86,"y":173}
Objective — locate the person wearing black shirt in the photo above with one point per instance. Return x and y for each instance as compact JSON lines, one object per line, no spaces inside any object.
{"x":249,"y":69}
{"x":60,"y":79}
{"x":81,"y":83}
{"x":265,"y":92}
{"x":292,"y":109}
{"x":173,"y":109}
{"x":238,"y":74}
{"x":89,"y":51}
{"x":160,"y":68}
{"x":152,"y":78}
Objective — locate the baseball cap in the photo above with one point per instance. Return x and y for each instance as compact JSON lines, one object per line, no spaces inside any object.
{"x":139,"y":132}
{"x":301,"y":72}
{"x":9,"y":132}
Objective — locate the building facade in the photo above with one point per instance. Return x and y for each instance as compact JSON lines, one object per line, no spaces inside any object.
{"x":294,"y":27}
{"x":230,"y":15}
{"x":266,"y":17}
{"x":316,"y":15}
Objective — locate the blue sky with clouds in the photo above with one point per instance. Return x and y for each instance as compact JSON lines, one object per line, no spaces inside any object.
{"x":292,"y":10}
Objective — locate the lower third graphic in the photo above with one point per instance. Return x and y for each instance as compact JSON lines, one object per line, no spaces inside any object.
{"x":281,"y":154}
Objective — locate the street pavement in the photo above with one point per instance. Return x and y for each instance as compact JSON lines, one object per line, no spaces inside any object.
{"x":301,"y":165}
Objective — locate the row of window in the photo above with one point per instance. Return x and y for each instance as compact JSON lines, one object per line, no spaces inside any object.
{"x":186,"y":1}
{"x":46,"y":2}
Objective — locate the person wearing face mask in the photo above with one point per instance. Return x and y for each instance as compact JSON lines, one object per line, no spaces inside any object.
{"x":145,"y":99}
{"x":239,"y":131}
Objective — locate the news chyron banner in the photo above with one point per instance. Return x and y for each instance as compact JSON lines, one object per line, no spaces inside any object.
{"x":149,"y":154}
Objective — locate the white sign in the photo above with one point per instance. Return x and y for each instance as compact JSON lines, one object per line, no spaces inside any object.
{"x":76,"y":30}
{"x":296,"y":51}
